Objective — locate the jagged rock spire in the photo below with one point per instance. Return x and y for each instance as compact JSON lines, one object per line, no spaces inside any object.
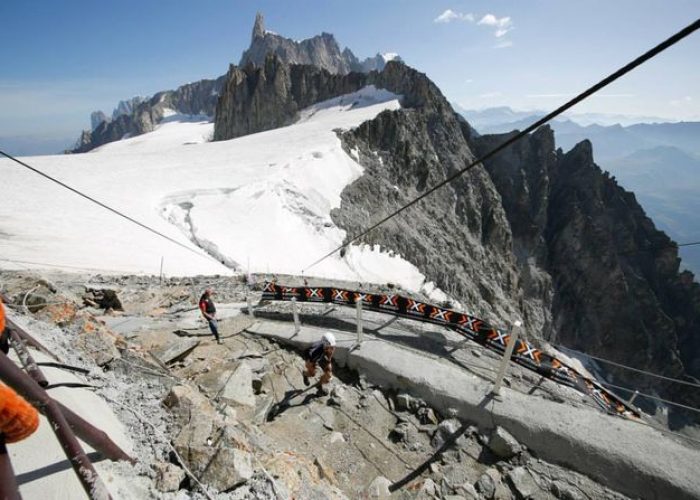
{"x":258,"y":27}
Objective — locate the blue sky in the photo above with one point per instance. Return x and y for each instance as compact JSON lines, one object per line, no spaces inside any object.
{"x":62,"y":60}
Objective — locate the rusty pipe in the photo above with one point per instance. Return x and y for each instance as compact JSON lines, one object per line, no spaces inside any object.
{"x":93,"y":436}
{"x":8,"y":483}
{"x":30,"y":390}
{"x":28,"y":338}
{"x":27,"y":360}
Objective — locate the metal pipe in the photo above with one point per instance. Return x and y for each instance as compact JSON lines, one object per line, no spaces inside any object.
{"x":90,"y":434}
{"x":634,"y":396}
{"x":27,"y":360}
{"x":506,"y":358}
{"x":295,"y":313}
{"x":358,"y":319}
{"x":8,"y":483}
{"x":37,"y":397}
{"x":94,"y":437}
{"x":29,"y":339}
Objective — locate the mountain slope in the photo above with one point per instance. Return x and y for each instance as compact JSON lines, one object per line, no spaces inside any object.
{"x":260,"y":203}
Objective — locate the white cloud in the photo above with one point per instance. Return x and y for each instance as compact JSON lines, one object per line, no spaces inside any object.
{"x":450,"y":15}
{"x":490,"y":95}
{"x":502,"y":24}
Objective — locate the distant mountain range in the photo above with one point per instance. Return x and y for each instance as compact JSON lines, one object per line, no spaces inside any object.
{"x":659,"y":162}
{"x":500,"y":115}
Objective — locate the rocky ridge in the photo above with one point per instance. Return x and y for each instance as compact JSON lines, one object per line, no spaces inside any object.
{"x":321,"y":51}
{"x":138,"y":116}
{"x":614,"y":278}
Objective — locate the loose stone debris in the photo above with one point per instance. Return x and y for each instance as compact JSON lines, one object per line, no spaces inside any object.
{"x":236,"y":417}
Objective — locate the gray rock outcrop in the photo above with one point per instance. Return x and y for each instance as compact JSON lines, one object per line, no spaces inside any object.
{"x":610,"y":278}
{"x":502,"y":444}
{"x":321,"y":51}
{"x":536,"y":234}
{"x":138,"y":115}
{"x":96,"y":118}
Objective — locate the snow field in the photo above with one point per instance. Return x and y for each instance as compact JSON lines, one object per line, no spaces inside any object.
{"x":261,"y":201}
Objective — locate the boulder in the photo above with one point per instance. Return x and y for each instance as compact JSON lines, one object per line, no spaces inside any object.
{"x":427,"y":416}
{"x":428,"y":489}
{"x":378,"y":488}
{"x":96,"y":342}
{"x":238,"y":390}
{"x":404,"y":402}
{"x":168,"y":477}
{"x":175,"y":350}
{"x":523,"y":483}
{"x":228,"y":468}
{"x":219,"y":456}
{"x":565,"y":491}
{"x":486,"y":485}
{"x":264,"y":404}
{"x":467,"y":491}
{"x":502,"y":444}
{"x":444,"y":430}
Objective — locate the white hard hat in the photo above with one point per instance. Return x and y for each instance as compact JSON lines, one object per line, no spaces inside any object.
{"x":328,"y":339}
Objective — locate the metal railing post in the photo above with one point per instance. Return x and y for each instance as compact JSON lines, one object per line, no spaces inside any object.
{"x":358,"y":319}
{"x":295,"y":312}
{"x":634,"y":396}
{"x":496,"y":391}
{"x":251,"y":313}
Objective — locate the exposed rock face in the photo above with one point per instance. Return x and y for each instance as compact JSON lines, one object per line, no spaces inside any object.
{"x":460,"y":237}
{"x":582,"y":233}
{"x":137,"y":116}
{"x":321,"y":51}
{"x":127,"y":107}
{"x":96,"y":118}
{"x":262,"y":98}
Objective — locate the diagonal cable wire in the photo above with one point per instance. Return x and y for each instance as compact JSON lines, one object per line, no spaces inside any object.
{"x":583,"y":95}
{"x":107,"y":207}
{"x":620,"y":365}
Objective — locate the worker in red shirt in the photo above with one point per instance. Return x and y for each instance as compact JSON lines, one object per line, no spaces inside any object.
{"x":208,"y":310}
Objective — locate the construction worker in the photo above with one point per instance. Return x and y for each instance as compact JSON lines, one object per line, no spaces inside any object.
{"x":320,"y":353}
{"x":208,"y":310}
{"x":4,"y":334}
